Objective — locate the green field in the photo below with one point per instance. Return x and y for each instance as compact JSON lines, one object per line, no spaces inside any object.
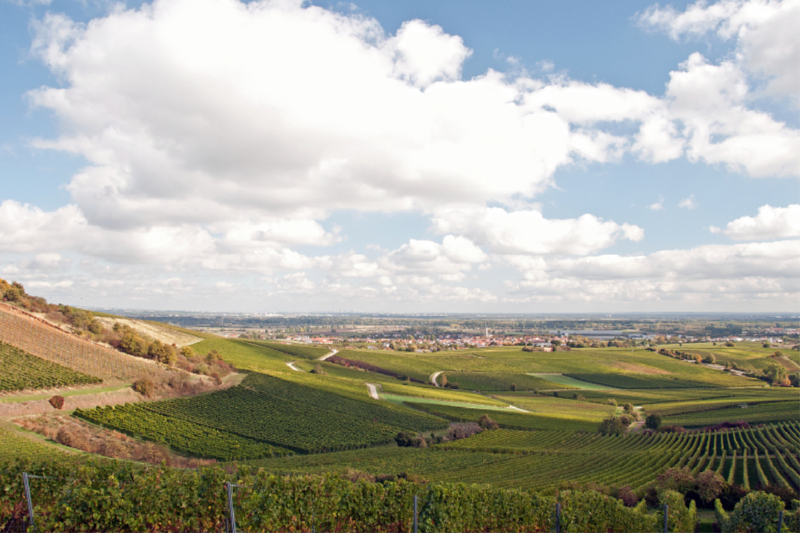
{"x":22,"y":371}
{"x":302,"y":422}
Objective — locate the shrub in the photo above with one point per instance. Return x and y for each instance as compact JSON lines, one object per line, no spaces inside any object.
{"x":57,"y":402}
{"x":144,"y":386}
{"x":653,"y":421}
{"x":319,"y":370}
{"x":676,"y":479}
{"x":487,"y":423}
{"x":613,"y":425}
{"x":513,"y":386}
{"x":404,"y":439}
{"x":758,"y":511}
{"x":710,"y":359}
{"x":709,"y":485}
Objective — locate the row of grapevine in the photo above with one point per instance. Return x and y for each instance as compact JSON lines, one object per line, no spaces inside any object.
{"x":264,"y":411}
{"x":23,"y":371}
{"x":124,"y":497}
{"x":53,"y":344}
{"x":180,"y":435}
{"x":550,"y":457}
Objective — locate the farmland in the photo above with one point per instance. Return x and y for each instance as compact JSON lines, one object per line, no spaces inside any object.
{"x":548,"y":405}
{"x":23,"y":371}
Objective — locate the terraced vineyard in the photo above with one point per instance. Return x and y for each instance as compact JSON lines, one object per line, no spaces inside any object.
{"x":24,"y":371}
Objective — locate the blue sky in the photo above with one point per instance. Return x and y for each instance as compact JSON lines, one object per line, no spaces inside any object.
{"x":402,"y":156}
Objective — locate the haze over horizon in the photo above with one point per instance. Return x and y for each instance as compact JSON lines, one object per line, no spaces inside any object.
{"x":462,"y":157}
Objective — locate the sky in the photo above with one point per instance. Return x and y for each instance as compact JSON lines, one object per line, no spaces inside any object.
{"x":448,"y":156}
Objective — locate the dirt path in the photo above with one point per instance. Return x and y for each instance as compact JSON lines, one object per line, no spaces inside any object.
{"x":373,"y":391}
{"x":325,"y":357}
{"x":514,"y":407}
{"x":291,"y":365}
{"x":434,"y":376}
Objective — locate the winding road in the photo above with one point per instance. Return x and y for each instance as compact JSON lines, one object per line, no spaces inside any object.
{"x":434,"y":376}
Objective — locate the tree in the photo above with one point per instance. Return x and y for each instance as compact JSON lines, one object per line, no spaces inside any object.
{"x":513,"y":386}
{"x":612,"y":425}
{"x":653,"y":421}
{"x":710,"y":359}
{"x":404,"y":439}
{"x":776,"y":374}
{"x":555,"y":342}
{"x":709,"y":485}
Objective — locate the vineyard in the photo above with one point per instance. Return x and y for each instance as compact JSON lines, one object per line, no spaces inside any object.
{"x":297,"y":350}
{"x":543,"y":460}
{"x":179,"y":434}
{"x":498,"y":381}
{"x":508,"y":419}
{"x":23,"y":371}
{"x":124,"y":497}
{"x":262,"y":412}
{"x":52,"y":344}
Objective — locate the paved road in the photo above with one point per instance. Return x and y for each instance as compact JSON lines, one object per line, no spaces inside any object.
{"x":325,"y":357}
{"x":291,"y":365}
{"x":373,"y":391}
{"x":433,"y":378}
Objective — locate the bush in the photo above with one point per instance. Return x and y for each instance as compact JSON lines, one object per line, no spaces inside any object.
{"x":653,"y":421}
{"x":676,"y":479}
{"x":57,"y":402}
{"x":144,"y":386}
{"x":613,"y":425}
{"x":758,"y":511}
{"x":487,"y":423}
{"x":710,"y":359}
{"x":709,"y":485}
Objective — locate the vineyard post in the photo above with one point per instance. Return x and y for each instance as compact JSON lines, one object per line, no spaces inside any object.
{"x":26,"y":483}
{"x":415,"y":515}
{"x":666,"y":517}
{"x":780,"y":522}
{"x":231,"y":513}
{"x":558,"y":518}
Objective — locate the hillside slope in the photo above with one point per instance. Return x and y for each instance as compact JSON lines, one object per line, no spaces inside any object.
{"x":44,"y":340}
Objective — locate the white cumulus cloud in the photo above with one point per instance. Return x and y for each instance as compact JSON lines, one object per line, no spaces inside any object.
{"x":770,"y":223}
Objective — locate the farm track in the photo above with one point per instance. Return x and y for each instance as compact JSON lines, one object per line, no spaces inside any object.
{"x":434,"y":376}
{"x":293,"y":367}
{"x":373,"y":391}
{"x":325,"y":357}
